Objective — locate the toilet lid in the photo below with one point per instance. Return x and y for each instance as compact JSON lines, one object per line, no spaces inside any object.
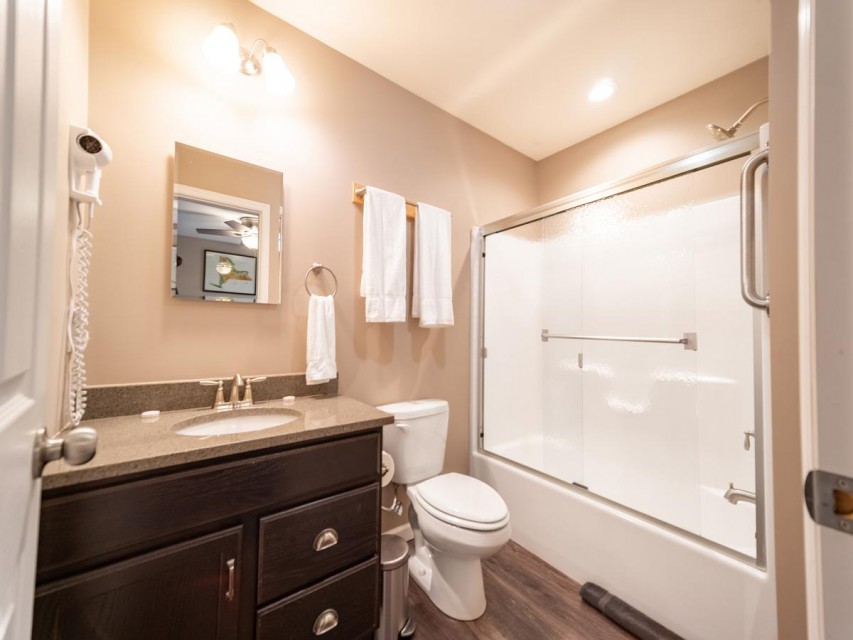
{"x":463,"y":497}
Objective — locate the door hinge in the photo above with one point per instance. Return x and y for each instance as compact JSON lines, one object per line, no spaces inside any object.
{"x":829,"y":499}
{"x":484,"y":352}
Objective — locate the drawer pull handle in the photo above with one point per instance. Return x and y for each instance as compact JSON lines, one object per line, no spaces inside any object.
{"x":325,"y":622}
{"x":325,"y":539}
{"x":229,"y":595}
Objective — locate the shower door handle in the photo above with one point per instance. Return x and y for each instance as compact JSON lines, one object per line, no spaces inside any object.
{"x":748,"y":277}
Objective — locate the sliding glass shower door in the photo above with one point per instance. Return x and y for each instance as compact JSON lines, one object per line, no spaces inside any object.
{"x":621,"y":357}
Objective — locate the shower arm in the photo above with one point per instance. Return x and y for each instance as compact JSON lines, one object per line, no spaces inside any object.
{"x":746,"y":114}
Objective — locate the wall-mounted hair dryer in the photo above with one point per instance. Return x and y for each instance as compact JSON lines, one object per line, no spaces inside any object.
{"x":88,"y":155}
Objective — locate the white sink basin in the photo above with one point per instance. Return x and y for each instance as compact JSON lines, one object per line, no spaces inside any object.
{"x":234,"y":422}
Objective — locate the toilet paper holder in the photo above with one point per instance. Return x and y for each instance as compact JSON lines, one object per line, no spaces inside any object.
{"x":386,"y":477}
{"x":396,"y":506}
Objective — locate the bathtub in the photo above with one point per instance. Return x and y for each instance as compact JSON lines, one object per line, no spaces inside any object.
{"x":699,"y":589}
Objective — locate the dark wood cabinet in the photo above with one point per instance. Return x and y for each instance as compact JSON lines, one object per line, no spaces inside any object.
{"x":239,"y":549}
{"x":299,"y":546}
{"x":182,"y":592}
{"x":346,"y":604}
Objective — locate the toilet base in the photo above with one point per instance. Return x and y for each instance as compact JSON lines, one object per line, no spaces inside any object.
{"x":453,"y":583}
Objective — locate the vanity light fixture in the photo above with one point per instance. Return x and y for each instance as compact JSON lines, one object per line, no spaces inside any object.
{"x":223,"y":52}
{"x":602,"y":90}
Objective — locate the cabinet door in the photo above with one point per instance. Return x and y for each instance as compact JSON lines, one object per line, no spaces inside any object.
{"x":186,"y":591}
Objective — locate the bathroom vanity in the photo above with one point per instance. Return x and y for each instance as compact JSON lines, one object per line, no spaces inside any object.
{"x":270,"y":534}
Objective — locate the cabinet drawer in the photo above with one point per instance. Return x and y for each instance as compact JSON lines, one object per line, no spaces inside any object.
{"x":306,"y":544}
{"x":82,"y":529}
{"x":350,"y":601}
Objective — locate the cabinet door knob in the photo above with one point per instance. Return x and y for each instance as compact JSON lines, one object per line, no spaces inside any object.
{"x":325,"y":622}
{"x":325,"y":539}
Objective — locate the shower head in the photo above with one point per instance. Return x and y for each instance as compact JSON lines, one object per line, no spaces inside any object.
{"x":723,"y":134}
{"x":719,"y":133}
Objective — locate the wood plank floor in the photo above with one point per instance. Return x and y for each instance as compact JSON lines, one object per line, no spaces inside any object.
{"x":527,"y":598}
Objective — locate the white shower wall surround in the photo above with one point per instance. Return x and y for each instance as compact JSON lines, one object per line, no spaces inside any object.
{"x":654,"y":427}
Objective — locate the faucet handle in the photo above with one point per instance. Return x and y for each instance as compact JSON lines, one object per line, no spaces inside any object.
{"x":248,"y":400}
{"x":219,"y":400}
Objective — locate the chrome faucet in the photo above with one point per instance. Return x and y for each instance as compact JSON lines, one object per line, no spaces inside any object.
{"x":234,"y":400}
{"x":736,"y":495}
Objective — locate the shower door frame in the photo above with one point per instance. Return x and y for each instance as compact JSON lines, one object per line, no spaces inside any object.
{"x":702,"y":159}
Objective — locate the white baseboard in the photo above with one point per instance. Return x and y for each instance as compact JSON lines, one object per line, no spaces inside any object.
{"x":404,"y":531}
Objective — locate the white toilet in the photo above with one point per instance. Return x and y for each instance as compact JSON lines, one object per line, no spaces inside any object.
{"x":457,"y":520}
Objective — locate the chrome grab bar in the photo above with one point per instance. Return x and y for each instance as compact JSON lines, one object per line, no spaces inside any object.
{"x":748,"y":285}
{"x":689,"y":340}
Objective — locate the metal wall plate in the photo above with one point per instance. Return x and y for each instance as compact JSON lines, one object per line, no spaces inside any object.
{"x":829,"y":499}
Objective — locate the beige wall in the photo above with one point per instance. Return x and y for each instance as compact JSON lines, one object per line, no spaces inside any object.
{"x":149,"y":86}
{"x":73,"y":108}
{"x":671,"y":130}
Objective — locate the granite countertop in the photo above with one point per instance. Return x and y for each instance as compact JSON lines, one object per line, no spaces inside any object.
{"x":132,"y":444}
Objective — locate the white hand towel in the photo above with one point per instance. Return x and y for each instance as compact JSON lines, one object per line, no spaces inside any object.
{"x":432,"y":288}
{"x":383,"y":262}
{"x":321,"y":340}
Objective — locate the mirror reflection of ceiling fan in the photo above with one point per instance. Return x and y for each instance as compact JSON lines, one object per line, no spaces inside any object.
{"x":246,"y":229}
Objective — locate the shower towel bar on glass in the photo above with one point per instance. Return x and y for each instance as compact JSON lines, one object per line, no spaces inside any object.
{"x":689,"y":340}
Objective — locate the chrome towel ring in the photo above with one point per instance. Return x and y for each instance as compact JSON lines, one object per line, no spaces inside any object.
{"x":315,"y":267}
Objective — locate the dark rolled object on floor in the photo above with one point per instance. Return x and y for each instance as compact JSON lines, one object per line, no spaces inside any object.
{"x":625,"y":615}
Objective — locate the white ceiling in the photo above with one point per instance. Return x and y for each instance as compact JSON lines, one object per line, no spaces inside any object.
{"x":520,"y":70}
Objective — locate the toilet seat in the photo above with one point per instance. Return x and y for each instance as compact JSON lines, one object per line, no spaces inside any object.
{"x":462,"y":501}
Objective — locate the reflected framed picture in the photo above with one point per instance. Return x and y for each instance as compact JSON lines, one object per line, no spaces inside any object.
{"x":229,"y":273}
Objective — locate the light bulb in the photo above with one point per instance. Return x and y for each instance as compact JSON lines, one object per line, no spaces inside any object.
{"x":277,"y":76}
{"x":602,"y":90}
{"x":250,"y":241}
{"x":224,"y":266}
{"x":222,"y":49}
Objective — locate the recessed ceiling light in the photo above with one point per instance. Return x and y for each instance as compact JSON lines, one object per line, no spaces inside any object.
{"x":602,"y":90}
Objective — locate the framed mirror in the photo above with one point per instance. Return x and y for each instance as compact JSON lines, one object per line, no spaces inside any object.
{"x":226,"y":229}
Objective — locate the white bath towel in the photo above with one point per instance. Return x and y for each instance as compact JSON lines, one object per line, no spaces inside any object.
{"x":322,"y":366}
{"x":383,"y":262}
{"x":432,"y":288}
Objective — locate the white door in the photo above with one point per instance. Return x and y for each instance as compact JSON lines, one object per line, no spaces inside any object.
{"x":27,"y":149}
{"x":827,"y":299}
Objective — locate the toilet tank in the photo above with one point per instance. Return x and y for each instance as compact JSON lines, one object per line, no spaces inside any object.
{"x":417,"y":438}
